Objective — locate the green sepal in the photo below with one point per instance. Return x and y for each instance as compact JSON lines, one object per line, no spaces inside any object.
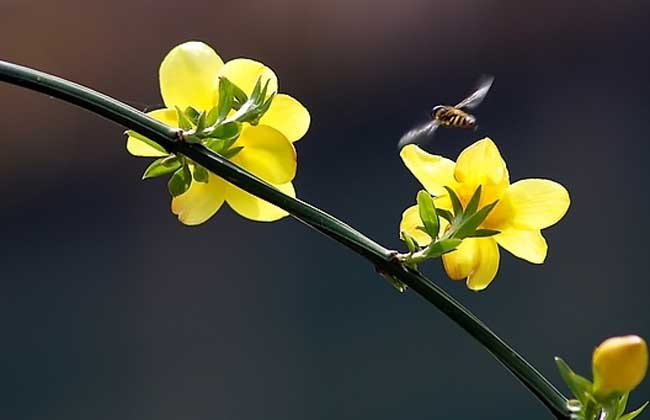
{"x":227,"y":131}
{"x":145,"y":140}
{"x":439,"y":248}
{"x":183,"y":121}
{"x":200,"y":174}
{"x":633,"y":414}
{"x":621,"y":404}
{"x":580,"y":387}
{"x":163,"y":166}
{"x":472,"y":206}
{"x":455,"y":202}
{"x":428,"y":214}
{"x":192,"y":114}
{"x":232,"y":152}
{"x":483,"y":233}
{"x":470,"y":224}
{"x":180,"y":181}
{"x":410,"y":242}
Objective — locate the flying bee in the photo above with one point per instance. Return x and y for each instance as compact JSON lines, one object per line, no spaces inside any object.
{"x":450,"y":116}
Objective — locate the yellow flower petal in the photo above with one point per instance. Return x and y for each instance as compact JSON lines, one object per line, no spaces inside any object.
{"x":529,"y":245}
{"x":476,"y":259}
{"x":409,"y":224}
{"x":201,"y":201}
{"x":535,"y":203}
{"x":434,"y":172}
{"x":482,"y":164}
{"x":288,"y":116}
{"x":253,"y":208}
{"x":488,"y":264}
{"x":267,"y":153}
{"x":460,"y":263}
{"x":139,"y":148}
{"x":188,"y":76}
{"x":244,"y":73}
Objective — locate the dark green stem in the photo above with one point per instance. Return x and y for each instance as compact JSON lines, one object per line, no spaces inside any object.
{"x":382,"y":258}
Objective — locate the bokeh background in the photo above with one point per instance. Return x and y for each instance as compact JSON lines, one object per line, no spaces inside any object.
{"x":110,"y":309}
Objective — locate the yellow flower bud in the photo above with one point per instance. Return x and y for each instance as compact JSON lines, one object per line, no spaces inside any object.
{"x":619,"y":364}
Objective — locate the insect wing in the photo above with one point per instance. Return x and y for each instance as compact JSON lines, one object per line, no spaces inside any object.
{"x":473,"y":100}
{"x":419,"y":134}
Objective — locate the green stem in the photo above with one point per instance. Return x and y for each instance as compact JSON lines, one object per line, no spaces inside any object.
{"x":382,"y":258}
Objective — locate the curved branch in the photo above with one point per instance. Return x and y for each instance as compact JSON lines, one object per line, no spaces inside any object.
{"x":383,"y":258}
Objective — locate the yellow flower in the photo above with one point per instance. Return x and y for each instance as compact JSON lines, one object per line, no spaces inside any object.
{"x":619,"y":364}
{"x":524,"y":208}
{"x":189,"y":76}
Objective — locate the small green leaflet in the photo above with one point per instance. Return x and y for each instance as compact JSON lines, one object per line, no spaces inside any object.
{"x":180,"y":181}
{"x":200,"y":174}
{"x":580,"y":387}
{"x":162,"y":166}
{"x":428,"y":214}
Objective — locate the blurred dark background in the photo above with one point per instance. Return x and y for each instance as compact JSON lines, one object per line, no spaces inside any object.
{"x":111,"y":309}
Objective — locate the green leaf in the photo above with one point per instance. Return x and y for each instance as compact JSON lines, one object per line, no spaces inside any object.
{"x":439,"y":248}
{"x":256,"y":89}
{"x":445,"y":214}
{"x":262,"y":96}
{"x":261,"y":109}
{"x":212,"y":116}
{"x":200,"y":174}
{"x":200,"y":122}
{"x":216,"y":145}
{"x":236,"y":93}
{"x":225,"y":99}
{"x":483,"y":233}
{"x":227,"y":131}
{"x":144,"y":139}
{"x":267,"y":104}
{"x":162,"y":166}
{"x":633,"y":414}
{"x":580,"y":387}
{"x":455,"y":202}
{"x":428,"y":214}
{"x":410,"y":241}
{"x":183,"y":121}
{"x":192,"y":114}
{"x":468,"y":226}
{"x":472,"y":206}
{"x":231,"y":153}
{"x":239,"y":95}
{"x":179,"y":182}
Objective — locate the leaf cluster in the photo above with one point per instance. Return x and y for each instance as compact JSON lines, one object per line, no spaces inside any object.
{"x":217,"y":129}
{"x":463,"y":222}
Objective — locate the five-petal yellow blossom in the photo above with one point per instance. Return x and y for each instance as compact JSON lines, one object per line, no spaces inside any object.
{"x":619,"y":364}
{"x":189,"y":76}
{"x":523,"y":209}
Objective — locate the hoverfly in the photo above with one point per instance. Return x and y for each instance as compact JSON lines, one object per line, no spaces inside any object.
{"x":450,"y":116}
